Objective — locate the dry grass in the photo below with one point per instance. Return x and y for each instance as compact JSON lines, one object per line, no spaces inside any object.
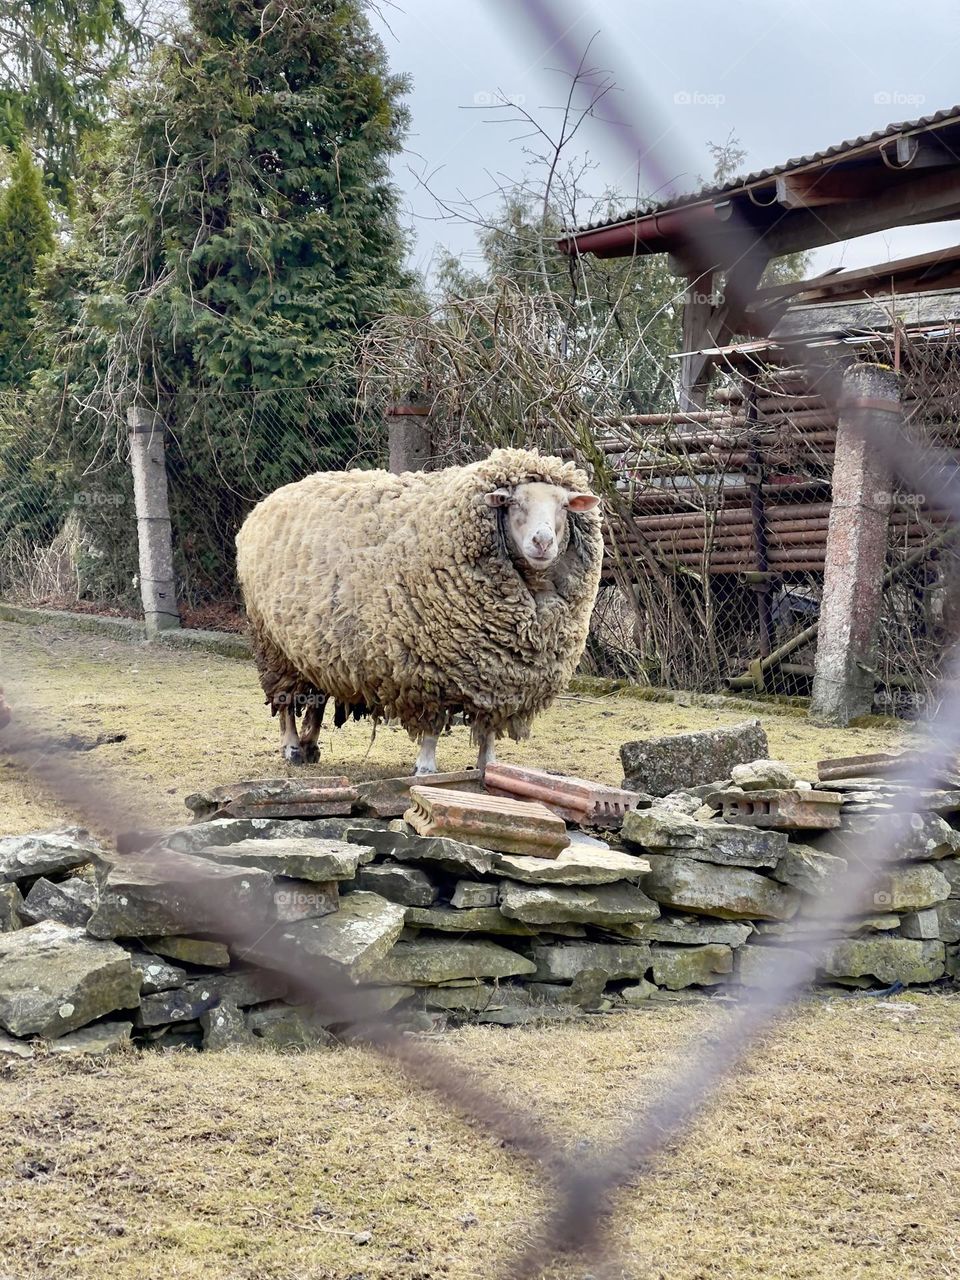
{"x":192,"y":719}
{"x":834,"y":1154}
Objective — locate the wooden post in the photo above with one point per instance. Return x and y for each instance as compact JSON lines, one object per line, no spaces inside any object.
{"x":148,"y":464}
{"x":695,"y":369}
{"x":410,"y":436}
{"x":856,"y":550}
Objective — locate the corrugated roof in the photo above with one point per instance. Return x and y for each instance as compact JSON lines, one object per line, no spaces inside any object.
{"x":948,"y":115}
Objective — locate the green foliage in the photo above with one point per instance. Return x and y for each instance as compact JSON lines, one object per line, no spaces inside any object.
{"x":233,"y":235}
{"x":26,"y":236}
{"x":249,"y":225}
{"x":60,"y":61}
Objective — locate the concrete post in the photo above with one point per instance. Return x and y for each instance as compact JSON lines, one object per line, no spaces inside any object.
{"x":148,"y":464}
{"x":856,"y":549}
{"x":410,"y":436}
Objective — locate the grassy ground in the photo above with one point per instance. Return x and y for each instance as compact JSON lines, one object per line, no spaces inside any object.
{"x":833,"y":1154}
{"x":188,"y":720}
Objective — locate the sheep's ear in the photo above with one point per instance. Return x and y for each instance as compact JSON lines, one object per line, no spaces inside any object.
{"x":498,"y":498}
{"x":582,"y":501}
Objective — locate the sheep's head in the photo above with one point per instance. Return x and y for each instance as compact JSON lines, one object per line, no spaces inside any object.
{"x":536,"y":518}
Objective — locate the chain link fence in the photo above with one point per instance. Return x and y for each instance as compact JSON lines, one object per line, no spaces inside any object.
{"x":68,"y":526}
{"x":716,"y":520}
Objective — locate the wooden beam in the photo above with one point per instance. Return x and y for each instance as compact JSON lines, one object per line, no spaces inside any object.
{"x":932,"y":197}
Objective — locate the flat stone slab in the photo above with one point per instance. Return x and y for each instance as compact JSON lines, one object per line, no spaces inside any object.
{"x":11,"y":906}
{"x":11,"y":1047}
{"x":304,"y":899}
{"x":286,"y":1026}
{"x":157,"y":974}
{"x":69,"y":902}
{"x":492,"y":822}
{"x":909,"y":887}
{"x":759,"y":966}
{"x":692,"y":932}
{"x":355,"y":938}
{"x":44,"y":854}
{"x":659,"y":831}
{"x":166,"y":892}
{"x":732,"y":893}
{"x":924,"y":925}
{"x":599,"y":905}
{"x":111,"y":1036}
{"x":889,"y":960}
{"x":184,"y":1004}
{"x":295,"y":857}
{"x":410,"y":886}
{"x":469,"y":894}
{"x":54,"y":979}
{"x":808,"y":869}
{"x":564,"y":961}
{"x":195,"y":951}
{"x":679,"y":967}
{"x":275,"y":798}
{"x":224,"y":1027}
{"x":468,"y":920}
{"x":430,"y":960}
{"x":439,"y":851}
{"x":673,"y":762}
{"x":221,"y":831}
{"x":576,"y":865}
{"x":950,"y":868}
{"x":948,"y":920}
{"x":764,"y":775}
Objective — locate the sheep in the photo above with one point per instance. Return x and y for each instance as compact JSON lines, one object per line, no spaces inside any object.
{"x":419,"y":597}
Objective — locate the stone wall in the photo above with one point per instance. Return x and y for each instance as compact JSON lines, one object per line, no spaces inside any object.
{"x":99,"y":949}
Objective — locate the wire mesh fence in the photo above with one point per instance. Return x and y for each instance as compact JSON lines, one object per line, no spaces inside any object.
{"x":68,"y":524}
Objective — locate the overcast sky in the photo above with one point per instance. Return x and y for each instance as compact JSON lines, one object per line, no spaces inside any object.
{"x":787,"y":76}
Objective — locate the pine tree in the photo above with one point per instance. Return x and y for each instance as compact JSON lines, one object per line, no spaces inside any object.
{"x":26,"y":236}
{"x":251,"y":214}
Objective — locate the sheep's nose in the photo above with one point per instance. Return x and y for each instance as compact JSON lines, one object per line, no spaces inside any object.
{"x":543,"y":539}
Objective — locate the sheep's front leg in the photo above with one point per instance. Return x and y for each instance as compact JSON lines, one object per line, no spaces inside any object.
{"x":290,"y":747}
{"x":427,"y":757}
{"x":488,"y":752}
{"x":310,"y":732}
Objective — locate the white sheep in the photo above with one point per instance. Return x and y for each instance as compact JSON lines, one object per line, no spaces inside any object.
{"x":421,"y":596}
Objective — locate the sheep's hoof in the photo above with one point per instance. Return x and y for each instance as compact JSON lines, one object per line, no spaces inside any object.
{"x":310,"y":752}
{"x":423,"y":773}
{"x":293,"y":755}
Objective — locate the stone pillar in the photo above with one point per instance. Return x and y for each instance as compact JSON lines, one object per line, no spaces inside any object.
{"x":856,"y":549}
{"x":410,"y":436}
{"x":148,"y":464}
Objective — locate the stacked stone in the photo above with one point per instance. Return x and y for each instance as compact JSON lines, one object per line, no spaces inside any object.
{"x":706,"y":864}
{"x":99,"y":949}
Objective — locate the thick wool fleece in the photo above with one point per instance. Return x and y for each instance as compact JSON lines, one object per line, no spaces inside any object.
{"x":399,"y":596}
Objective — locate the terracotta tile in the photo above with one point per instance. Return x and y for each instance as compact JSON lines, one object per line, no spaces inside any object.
{"x":275,"y":798}
{"x":789,"y":810}
{"x":575,"y":799}
{"x":492,"y":822}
